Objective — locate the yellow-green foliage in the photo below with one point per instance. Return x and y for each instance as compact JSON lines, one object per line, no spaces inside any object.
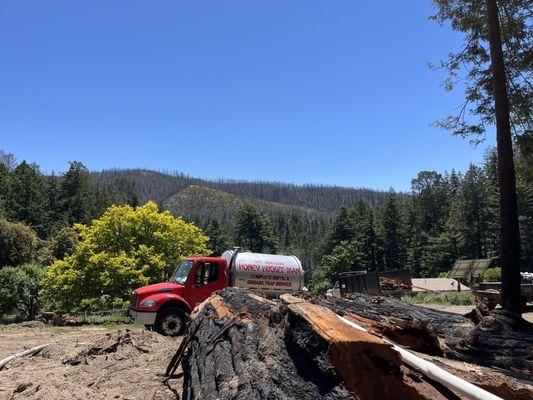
{"x":124,"y":249}
{"x":493,"y":275}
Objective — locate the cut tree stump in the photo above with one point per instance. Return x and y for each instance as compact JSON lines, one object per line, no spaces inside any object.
{"x":248,"y":347}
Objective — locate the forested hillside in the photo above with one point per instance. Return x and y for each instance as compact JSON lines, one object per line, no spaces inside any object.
{"x":158,"y":186}
{"x":320,"y":197}
{"x":295,"y":230}
{"x":446,"y":216}
{"x":298,"y":215}
{"x":201,"y":204}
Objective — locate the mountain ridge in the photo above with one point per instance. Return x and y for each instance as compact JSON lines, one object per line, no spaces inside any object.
{"x":159,"y":186}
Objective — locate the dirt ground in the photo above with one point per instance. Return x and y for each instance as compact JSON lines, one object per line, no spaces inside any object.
{"x":123,"y":362}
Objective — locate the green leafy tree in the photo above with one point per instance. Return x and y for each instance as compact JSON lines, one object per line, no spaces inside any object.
{"x":17,"y":243}
{"x":345,"y":257}
{"x":59,"y":246}
{"x":253,"y":230}
{"x":493,"y":275}
{"x":20,"y":289}
{"x":123,"y":249}
{"x":64,"y":243}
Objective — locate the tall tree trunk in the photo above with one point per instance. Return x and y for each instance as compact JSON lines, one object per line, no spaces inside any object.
{"x":510,"y":236}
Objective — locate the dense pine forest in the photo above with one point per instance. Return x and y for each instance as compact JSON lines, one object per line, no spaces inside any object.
{"x":445,"y":216}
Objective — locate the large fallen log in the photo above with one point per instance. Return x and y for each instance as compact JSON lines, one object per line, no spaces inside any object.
{"x":247,"y":347}
{"x":498,"y":340}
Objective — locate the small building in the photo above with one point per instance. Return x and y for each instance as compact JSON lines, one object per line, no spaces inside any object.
{"x":437,"y":285}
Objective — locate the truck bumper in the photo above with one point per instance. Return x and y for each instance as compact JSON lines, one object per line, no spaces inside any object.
{"x":143,"y":317}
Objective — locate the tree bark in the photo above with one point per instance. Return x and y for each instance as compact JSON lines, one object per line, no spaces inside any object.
{"x":509,"y":230}
{"x":501,"y":340}
{"x":242,"y":346}
{"x":252,"y":348}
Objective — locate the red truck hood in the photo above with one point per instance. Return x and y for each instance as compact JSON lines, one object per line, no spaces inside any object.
{"x":159,"y":288}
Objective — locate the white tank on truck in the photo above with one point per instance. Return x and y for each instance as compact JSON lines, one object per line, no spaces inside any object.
{"x":271,"y":274}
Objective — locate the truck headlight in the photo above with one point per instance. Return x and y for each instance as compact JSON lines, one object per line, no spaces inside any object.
{"x":148,"y":303}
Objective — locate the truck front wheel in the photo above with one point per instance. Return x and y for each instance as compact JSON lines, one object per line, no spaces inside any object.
{"x":170,"y":321}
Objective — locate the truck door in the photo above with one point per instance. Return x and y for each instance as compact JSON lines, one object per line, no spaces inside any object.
{"x":208,"y":278}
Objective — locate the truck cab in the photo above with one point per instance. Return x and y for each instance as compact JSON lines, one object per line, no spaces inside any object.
{"x":166,"y":306}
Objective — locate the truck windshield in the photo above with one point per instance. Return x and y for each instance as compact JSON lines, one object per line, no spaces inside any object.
{"x":181,"y":273}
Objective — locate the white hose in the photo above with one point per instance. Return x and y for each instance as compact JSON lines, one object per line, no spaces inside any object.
{"x":436,"y":373}
{"x":28,"y":352}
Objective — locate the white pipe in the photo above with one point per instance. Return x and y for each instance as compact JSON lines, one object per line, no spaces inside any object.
{"x":436,"y":373}
{"x":28,"y":352}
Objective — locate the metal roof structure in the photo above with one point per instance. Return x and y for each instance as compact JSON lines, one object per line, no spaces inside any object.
{"x":466,"y":268}
{"x":437,"y":285}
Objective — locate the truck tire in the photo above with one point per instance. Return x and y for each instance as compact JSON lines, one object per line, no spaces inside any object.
{"x":170,"y":321}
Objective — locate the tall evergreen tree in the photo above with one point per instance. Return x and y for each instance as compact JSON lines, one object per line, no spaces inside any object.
{"x":55,"y":218}
{"x":430,"y":195}
{"x":415,"y":239}
{"x":473,"y":202}
{"x":27,"y":199}
{"x":218,"y":242}
{"x":497,"y":58}
{"x":4,"y":189}
{"x":364,"y":234}
{"x":524,"y":180}
{"x":77,"y":194}
{"x":253,"y":231}
{"x":340,"y":230}
{"x":391,"y":225}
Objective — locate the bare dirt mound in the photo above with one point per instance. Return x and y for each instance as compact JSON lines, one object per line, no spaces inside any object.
{"x":87,"y":364}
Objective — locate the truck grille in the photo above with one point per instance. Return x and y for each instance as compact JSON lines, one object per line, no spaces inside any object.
{"x":133,"y":300}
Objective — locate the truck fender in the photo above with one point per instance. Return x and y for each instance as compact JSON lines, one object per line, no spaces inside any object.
{"x":174,"y":300}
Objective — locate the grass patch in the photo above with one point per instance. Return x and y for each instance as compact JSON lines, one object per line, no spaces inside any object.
{"x":446,"y":298}
{"x":112,"y":325}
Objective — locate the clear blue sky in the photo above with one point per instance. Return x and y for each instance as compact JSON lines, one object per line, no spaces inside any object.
{"x":334,"y":92}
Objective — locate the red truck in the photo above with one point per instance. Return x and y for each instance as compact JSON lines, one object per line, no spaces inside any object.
{"x":165,"y":306}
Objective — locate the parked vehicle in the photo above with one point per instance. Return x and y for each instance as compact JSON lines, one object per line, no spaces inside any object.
{"x":490,"y":292}
{"x":166,"y":306}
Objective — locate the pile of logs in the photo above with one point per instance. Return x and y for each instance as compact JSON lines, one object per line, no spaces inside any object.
{"x":243,"y":346}
{"x":392,"y":285}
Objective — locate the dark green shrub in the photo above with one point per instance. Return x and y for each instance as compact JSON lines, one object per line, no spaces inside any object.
{"x":17,"y":243}
{"x":20,"y":290}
